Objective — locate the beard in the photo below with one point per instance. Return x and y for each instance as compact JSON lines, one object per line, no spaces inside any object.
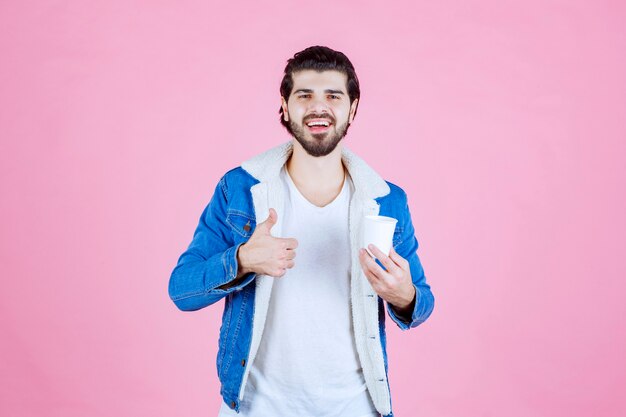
{"x":321,"y":144}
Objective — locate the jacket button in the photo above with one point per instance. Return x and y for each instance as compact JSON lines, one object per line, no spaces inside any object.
{"x":243,"y":362}
{"x":246,"y":228}
{"x":232,"y":404}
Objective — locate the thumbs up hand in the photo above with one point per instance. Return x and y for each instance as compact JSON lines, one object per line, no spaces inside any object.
{"x":266,"y":254}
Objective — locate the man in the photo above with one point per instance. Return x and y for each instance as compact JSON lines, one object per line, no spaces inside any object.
{"x":304,"y":336}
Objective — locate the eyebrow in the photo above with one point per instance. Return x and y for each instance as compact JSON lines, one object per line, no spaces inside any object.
{"x":327,"y":91}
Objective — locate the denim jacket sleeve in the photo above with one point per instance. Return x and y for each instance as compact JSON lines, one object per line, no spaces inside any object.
{"x":424,"y":299}
{"x":210,"y":261}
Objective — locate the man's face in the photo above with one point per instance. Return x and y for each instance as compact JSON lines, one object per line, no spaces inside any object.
{"x":318,"y":110}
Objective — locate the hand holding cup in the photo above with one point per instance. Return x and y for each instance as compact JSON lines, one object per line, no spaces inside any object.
{"x":393,"y":283}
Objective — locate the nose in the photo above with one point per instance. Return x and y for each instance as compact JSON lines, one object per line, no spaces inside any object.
{"x":318,"y":106}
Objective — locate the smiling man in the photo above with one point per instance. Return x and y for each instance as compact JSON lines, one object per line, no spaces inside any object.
{"x":306,"y":116}
{"x":304,"y":336}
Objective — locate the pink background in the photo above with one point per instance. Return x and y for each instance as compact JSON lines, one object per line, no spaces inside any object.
{"x":118,"y":117}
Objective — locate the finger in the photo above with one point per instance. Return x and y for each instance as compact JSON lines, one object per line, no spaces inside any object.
{"x":372,"y":266}
{"x":281,"y":269}
{"x":363,"y":255}
{"x":374,"y":281}
{"x":271,"y":220}
{"x":384,"y":259}
{"x":273,"y":214}
{"x":289,"y":243}
{"x":399,"y":260}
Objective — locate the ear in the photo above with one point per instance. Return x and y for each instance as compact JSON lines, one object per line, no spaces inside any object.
{"x":283,"y":103}
{"x":353,"y":109}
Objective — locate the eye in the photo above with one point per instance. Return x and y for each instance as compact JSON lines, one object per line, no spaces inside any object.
{"x":334,"y":96}
{"x":304,"y":96}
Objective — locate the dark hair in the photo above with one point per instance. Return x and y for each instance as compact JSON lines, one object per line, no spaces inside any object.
{"x":318,"y":58}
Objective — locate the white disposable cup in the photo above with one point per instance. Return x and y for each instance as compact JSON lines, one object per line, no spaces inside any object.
{"x":378,"y":230}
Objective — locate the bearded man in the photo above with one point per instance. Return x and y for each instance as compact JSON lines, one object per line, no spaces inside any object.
{"x":305,"y":336}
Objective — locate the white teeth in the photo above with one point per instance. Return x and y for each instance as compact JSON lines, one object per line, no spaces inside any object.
{"x":318,"y":124}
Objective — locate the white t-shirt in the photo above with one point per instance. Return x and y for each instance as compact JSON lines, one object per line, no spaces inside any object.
{"x":307,"y":363}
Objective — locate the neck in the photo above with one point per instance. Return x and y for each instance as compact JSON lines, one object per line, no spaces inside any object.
{"x":323,"y":172}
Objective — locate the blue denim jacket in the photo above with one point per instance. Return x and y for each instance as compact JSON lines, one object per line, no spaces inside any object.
{"x":242,"y":199}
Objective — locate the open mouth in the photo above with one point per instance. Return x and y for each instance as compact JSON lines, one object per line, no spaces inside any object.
{"x":318,"y":125}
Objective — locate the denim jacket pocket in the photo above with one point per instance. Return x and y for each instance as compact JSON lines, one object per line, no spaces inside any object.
{"x":241,"y":223}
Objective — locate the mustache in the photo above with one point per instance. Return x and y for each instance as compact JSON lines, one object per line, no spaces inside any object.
{"x":321,"y":116}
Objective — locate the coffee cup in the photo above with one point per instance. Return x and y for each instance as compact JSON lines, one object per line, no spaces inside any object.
{"x":378,"y":230}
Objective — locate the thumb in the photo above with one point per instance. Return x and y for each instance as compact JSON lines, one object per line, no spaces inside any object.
{"x":271,"y":220}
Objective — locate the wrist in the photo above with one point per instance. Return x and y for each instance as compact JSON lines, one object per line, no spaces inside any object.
{"x":409,"y":305}
{"x":242,"y":260}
